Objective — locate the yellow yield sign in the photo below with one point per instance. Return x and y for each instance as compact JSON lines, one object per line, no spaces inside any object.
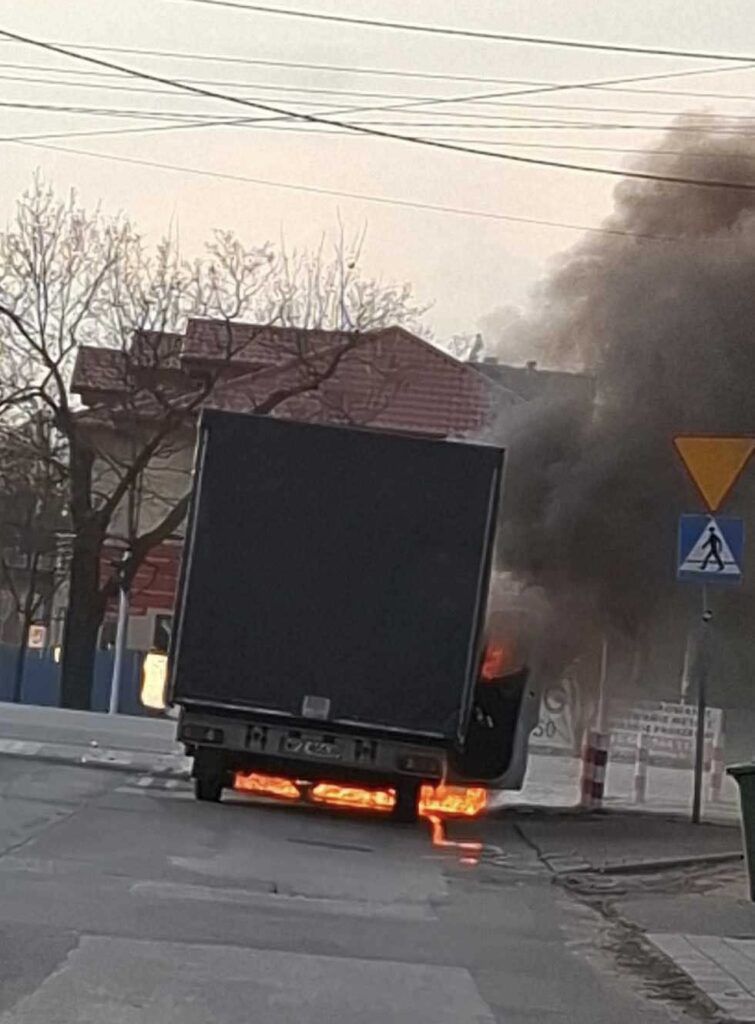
{"x":714,"y":463}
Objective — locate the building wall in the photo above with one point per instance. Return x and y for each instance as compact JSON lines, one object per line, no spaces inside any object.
{"x":400,"y":383}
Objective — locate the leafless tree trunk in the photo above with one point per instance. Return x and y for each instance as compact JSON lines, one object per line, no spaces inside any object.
{"x":27,"y":613}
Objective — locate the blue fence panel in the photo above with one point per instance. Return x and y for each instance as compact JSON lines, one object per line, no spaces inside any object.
{"x":41,"y":682}
{"x":131,"y":675}
{"x":7,"y":669}
{"x":41,"y":679}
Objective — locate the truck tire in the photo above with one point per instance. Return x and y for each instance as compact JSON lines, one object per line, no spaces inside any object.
{"x":208,"y":788}
{"x":406,"y":809}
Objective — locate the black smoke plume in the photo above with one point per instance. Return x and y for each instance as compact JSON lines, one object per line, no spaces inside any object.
{"x":663,"y":313}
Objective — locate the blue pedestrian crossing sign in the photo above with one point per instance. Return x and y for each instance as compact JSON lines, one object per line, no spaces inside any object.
{"x":710,"y":550}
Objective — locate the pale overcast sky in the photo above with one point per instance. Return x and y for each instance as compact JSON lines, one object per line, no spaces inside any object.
{"x":465,"y":265}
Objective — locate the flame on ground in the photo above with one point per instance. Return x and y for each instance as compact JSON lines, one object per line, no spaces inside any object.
{"x":434,"y":802}
{"x":470,"y":849}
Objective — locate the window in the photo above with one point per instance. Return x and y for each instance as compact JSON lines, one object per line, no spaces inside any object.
{"x":107,"y":634}
{"x":161,"y":633}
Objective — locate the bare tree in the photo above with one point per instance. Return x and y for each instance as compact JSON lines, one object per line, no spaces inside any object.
{"x":467,"y":347}
{"x":71,"y":281}
{"x":32,"y":515}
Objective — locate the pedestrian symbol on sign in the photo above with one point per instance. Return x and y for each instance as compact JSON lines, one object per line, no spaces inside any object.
{"x":710,"y":549}
{"x":714,"y":545}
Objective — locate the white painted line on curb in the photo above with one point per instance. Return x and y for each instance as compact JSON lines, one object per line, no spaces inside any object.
{"x":20,"y":747}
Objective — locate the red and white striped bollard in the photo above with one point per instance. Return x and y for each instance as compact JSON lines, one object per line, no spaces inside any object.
{"x":594,"y":761}
{"x":641,"y":768}
{"x":716,"y":776}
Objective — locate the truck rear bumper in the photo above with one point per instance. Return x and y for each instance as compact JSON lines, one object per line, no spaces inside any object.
{"x":305,"y":751}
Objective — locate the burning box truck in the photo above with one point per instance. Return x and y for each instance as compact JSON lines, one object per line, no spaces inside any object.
{"x":331,"y":621}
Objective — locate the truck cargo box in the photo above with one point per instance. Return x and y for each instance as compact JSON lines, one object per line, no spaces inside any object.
{"x":337,"y":574}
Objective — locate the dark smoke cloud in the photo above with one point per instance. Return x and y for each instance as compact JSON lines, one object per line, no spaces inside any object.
{"x":668,"y":327}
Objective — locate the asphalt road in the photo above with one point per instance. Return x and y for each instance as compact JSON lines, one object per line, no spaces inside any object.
{"x":122,"y":901}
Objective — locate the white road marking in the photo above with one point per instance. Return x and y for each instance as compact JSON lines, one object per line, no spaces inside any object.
{"x":111,"y":979}
{"x":20,"y":747}
{"x":281,"y":901}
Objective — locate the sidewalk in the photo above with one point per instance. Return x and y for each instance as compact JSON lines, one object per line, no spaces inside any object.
{"x":618,"y":842}
{"x":723,"y":968}
{"x":677,"y":891}
{"x":708,"y":933}
{"x":91,"y":738}
{"x":553,"y":781}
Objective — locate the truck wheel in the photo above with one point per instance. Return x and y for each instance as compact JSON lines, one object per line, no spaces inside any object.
{"x":208,"y":788}
{"x":406,"y":809}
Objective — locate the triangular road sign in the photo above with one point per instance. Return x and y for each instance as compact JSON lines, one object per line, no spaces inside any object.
{"x":714,"y":463}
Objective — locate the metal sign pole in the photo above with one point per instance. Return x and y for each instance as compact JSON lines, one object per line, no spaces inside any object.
{"x":702,"y":673}
{"x":121,"y":634}
{"x":710,"y":549}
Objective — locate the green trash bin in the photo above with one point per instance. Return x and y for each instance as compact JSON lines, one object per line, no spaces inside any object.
{"x":745,"y":776}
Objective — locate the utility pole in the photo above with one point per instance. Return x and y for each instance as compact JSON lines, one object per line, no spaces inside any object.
{"x":121,"y":632}
{"x":601,"y":714}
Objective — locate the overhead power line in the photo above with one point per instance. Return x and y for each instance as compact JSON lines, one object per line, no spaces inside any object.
{"x":340,"y":193}
{"x":504,"y":37}
{"x":491,"y":122}
{"x":198,"y":125}
{"x":377,"y":133}
{"x":49,"y":79}
{"x":696,"y":119}
{"x":243,"y":123}
{"x":213,"y":58}
{"x":483,"y":96}
{"x":154,"y":129}
{"x":692,"y":93}
{"x":381,"y":200}
{"x":232,"y":84}
{"x":533,"y":87}
{"x":71,"y":108}
{"x":422,"y":101}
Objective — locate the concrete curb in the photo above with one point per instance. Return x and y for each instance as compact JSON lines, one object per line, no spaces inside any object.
{"x":103,"y":758}
{"x":536,"y":810}
{"x":665,"y":864}
{"x":565,"y":864}
{"x":576,"y":811}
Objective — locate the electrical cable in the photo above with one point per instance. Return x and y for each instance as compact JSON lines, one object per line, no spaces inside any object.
{"x":356,"y":70}
{"x":340,"y":193}
{"x":578,"y":44}
{"x":395,"y":136}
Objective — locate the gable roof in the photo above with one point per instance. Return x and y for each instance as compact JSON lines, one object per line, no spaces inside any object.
{"x":390,"y":379}
{"x":530,"y":383}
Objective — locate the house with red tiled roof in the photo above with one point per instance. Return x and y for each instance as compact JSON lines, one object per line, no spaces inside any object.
{"x":386,"y":378}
